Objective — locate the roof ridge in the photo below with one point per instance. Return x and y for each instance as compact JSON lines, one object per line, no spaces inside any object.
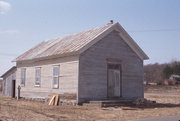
{"x":73,"y":34}
{"x":58,"y":39}
{"x":76,"y":43}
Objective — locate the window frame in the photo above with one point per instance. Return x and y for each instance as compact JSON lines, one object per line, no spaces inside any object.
{"x":37,"y":77}
{"x":55,"y":86}
{"x":23,"y":76}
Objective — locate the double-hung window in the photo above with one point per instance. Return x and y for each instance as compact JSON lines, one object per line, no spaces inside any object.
{"x":55,"y":76}
{"x":23,"y":76}
{"x":37,"y":76}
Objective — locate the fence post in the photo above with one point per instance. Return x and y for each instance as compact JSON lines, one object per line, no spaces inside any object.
{"x":18,"y":95}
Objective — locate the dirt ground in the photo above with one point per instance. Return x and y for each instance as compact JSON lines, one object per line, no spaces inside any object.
{"x":162,"y":89}
{"x":168,"y":105}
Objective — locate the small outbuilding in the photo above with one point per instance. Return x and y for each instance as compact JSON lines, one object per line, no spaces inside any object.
{"x":9,"y":82}
{"x":97,"y":64}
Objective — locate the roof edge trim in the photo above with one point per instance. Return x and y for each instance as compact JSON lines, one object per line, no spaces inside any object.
{"x":125,"y":36}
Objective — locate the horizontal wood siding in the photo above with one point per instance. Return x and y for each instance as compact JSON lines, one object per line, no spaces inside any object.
{"x":68,"y":77}
{"x":93,"y":69}
{"x":7,"y":82}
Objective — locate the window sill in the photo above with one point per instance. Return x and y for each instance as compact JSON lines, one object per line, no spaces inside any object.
{"x":55,"y":87}
{"x":36,"y":85}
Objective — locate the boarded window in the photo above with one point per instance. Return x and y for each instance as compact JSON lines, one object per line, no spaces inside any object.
{"x":23,"y":76}
{"x":38,"y":76}
{"x":55,"y":76}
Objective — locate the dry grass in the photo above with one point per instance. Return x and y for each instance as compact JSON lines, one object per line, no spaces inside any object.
{"x":162,"y":89}
{"x":12,"y":110}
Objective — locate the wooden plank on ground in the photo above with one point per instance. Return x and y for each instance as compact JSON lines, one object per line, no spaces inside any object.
{"x":51,"y":102}
{"x":56,"y":99}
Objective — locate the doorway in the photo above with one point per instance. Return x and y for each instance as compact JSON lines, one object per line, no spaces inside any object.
{"x":13,"y":88}
{"x":114,"y":81}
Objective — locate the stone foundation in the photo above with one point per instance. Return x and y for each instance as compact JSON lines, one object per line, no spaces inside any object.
{"x":65,"y":99}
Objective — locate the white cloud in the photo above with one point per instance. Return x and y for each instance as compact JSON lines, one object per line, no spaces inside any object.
{"x":9,"y":31}
{"x":4,"y":7}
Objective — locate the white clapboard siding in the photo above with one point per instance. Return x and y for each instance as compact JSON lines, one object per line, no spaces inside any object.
{"x":68,"y":77}
{"x":7,"y":82}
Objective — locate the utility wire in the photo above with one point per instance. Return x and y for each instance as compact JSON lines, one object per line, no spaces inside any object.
{"x":131,"y":31}
{"x":155,"y":30}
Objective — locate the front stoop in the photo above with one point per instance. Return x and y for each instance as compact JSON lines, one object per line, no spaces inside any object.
{"x":109,"y":103}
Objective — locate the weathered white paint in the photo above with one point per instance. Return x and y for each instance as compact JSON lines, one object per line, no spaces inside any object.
{"x":7,"y":82}
{"x":85,"y":73}
{"x":68,"y":77}
{"x":114,"y":83}
{"x":125,"y":36}
{"x":93,"y":69}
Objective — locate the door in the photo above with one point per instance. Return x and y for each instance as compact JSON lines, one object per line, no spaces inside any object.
{"x":13,"y":88}
{"x":114,"y":81}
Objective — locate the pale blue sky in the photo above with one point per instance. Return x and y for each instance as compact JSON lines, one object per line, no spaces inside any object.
{"x":153,"y":24}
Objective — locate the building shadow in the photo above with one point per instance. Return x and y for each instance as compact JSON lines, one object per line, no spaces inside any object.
{"x":156,"y":105}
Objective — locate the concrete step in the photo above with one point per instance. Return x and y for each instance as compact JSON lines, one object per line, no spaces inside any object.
{"x":109,"y":103}
{"x":114,"y":104}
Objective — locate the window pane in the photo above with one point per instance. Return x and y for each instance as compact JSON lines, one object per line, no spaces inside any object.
{"x":56,"y":77}
{"x":55,"y":70}
{"x":37,"y":83}
{"x":23,"y":76}
{"x":55,"y":80}
{"x":38,"y":76}
{"x":56,"y":83}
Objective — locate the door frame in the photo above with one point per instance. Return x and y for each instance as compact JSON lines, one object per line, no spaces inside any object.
{"x":120,"y":69}
{"x":13,"y":88}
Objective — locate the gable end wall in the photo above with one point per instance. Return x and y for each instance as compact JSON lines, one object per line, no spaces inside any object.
{"x":7,"y":82}
{"x":93,"y":69}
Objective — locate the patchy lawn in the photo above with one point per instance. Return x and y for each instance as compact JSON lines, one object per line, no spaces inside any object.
{"x":168,"y":105}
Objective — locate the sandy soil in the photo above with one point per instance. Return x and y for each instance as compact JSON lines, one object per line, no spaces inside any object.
{"x":13,"y":110}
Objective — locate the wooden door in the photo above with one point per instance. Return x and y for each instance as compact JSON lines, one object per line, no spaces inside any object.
{"x":13,"y":88}
{"x":114,"y":81}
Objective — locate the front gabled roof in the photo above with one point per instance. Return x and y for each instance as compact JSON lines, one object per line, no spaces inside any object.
{"x":77,"y":43}
{"x":8,"y":71}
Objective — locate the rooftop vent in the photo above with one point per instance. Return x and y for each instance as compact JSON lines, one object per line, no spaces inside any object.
{"x":111,"y":21}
